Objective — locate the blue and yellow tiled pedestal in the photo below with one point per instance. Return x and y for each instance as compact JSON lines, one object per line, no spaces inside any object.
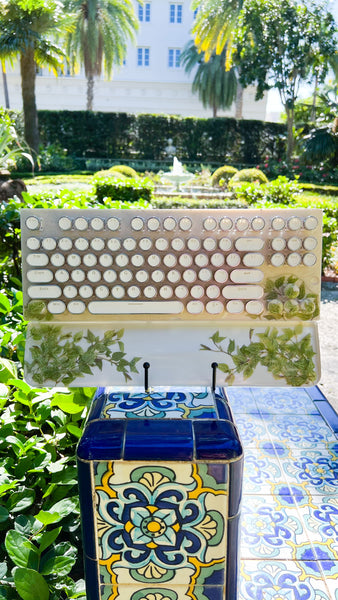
{"x":160,"y":478}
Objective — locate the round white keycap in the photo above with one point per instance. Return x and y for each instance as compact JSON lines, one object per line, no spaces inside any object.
{"x":235,"y":306}
{"x":65,"y":244}
{"x":97,"y":224}
{"x":70,"y":291}
{"x":242,"y":224}
{"x":220,"y":276}
{"x":145,"y":244}
{"x":78,"y":275}
{"x":166,"y":291}
{"x":61,"y":275}
{"x":294,"y":223}
{"x":169,"y":260}
{"x":81,"y":224}
{"x":310,"y":243}
{"x":73,"y":260}
{"x":212,"y":291}
{"x":253,"y":259}
{"x":89,"y":260}
{"x":137,"y":260}
{"x":204,"y":275}
{"x":56,"y":307}
{"x":141,"y":276}
{"x":189,"y":276}
{"x":81,"y":244}
{"x":133,"y":291}
{"x":225,"y":224}
{"x":277,"y":260}
{"x":117,"y":292}
{"x":197,"y":291}
{"x":32,"y":223}
{"x":94,"y":275}
{"x":209,"y":244}
{"x":173,"y":276}
{"x":233,"y":259}
{"x":277,"y":223}
{"x":177,"y":244}
{"x":110,"y":276}
{"x":257,"y":223}
{"x":126,"y":275}
{"x":149,"y":291}
{"x":294,"y":243}
{"x":97,"y":244}
{"x":194,"y":244}
{"x":65,"y":223}
{"x":217,"y":259}
{"x":137,"y":223}
{"x":114,"y":244}
{"x":195,"y":307}
{"x":185,"y":223}
{"x":294,"y":259}
{"x":185,"y":260}
{"x":76,"y":307}
{"x":33,"y":243}
{"x":278,"y":244}
{"x":57,"y":259}
{"x":157,"y":275}
{"x":181,"y":291}
{"x":161,"y":244}
{"x":50,"y":244}
{"x":254,"y":307}
{"x":209,"y":224}
{"x":121,"y":260}
{"x":309,"y":259}
{"x":201,"y":260}
{"x":105,"y":260}
{"x":225,"y":244}
{"x":310,"y":223}
{"x":153,"y":224}
{"x":86,"y":291}
{"x":129,"y":244}
{"x":101,"y":291}
{"x":169,"y":223}
{"x":113,"y":224}
{"x":215,"y":307}
{"x":153,"y":260}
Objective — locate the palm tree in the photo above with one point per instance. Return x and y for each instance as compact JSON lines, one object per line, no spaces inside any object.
{"x":215,"y":86}
{"x":26,"y":27}
{"x":100,"y":36}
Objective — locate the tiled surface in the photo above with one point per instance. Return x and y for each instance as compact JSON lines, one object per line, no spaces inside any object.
{"x":289,"y":545}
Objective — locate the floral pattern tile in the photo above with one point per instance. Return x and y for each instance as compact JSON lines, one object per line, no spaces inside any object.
{"x":241,"y":400}
{"x":302,"y":431}
{"x":315,"y":470}
{"x":251,"y":428}
{"x":284,"y":401}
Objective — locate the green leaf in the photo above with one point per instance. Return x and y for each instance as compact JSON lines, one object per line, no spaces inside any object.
{"x":48,"y":538}
{"x":74,"y":430}
{"x":47,"y":517}
{"x":22,"y":552}
{"x":65,"y":507}
{"x":231,"y":347}
{"x":30,"y":585}
{"x":3,"y":514}
{"x":5,"y":305}
{"x":7,"y":370}
{"x":3,"y":570}
{"x":59,"y":559}
{"x":69,"y":403}
{"x":19,"y":501}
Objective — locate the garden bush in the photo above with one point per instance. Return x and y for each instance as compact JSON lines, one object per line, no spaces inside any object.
{"x":280,"y":191}
{"x":125,"y":170}
{"x":128,"y":190}
{"x":250,"y":175}
{"x":177,"y":202}
{"x":224,"y":174}
{"x":108,"y":173}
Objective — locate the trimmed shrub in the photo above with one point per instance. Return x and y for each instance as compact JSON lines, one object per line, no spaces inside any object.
{"x":127,"y":190}
{"x":108,"y":173}
{"x":165,"y":202}
{"x":279,"y":191}
{"x":250,"y":175}
{"x":125,"y":170}
{"x":225,"y":173}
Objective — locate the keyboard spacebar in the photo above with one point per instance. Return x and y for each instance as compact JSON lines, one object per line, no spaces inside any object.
{"x":110,"y":307}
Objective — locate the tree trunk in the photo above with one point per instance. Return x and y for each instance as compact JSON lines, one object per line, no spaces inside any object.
{"x":4,"y":79}
{"x":28,"y":74}
{"x":314,"y":100}
{"x":90,"y":92}
{"x":290,"y":139}
{"x":239,"y":102}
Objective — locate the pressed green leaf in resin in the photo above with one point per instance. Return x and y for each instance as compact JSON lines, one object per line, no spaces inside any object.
{"x":286,"y":298}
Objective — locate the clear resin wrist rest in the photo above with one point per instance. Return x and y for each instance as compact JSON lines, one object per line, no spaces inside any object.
{"x":107,"y":290}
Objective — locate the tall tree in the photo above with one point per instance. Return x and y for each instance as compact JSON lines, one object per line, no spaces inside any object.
{"x":215,"y":86}
{"x":280,"y":44}
{"x":100,"y":37}
{"x":26,"y":27}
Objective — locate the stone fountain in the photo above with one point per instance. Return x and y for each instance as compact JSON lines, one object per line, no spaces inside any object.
{"x":177,"y":175}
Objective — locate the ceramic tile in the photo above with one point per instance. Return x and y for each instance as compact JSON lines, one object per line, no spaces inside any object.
{"x":320,"y":516}
{"x":284,"y":401}
{"x":260,"y":474}
{"x":315,"y":470}
{"x":301,"y":431}
{"x":161,"y":592}
{"x":241,"y":400}
{"x":251,"y":428}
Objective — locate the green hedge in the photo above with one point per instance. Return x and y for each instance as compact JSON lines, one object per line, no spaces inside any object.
{"x":110,"y":135}
{"x":123,"y":190}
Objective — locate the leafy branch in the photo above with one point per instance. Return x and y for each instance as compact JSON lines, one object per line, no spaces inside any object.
{"x":286,"y":355}
{"x":62,"y":357}
{"x":287,"y":299}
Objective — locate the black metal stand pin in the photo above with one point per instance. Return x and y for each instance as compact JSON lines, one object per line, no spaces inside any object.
{"x":214,"y":366}
{"x":146,"y":367}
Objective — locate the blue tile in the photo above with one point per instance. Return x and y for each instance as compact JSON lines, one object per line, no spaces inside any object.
{"x":328,"y":413}
{"x":233,"y":546}
{"x":235,"y":486}
{"x":97,"y":404}
{"x":216,"y":440}
{"x":92,"y":579}
{"x":86,"y":506}
{"x":102,"y":440}
{"x":159,"y":440}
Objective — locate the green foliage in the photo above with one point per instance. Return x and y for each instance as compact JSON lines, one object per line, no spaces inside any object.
{"x":255,"y":175}
{"x":285,"y":353}
{"x":10,"y":147}
{"x":223,"y":173}
{"x":55,"y":158}
{"x":125,"y":170}
{"x":280,"y":191}
{"x":127,"y":190}
{"x":287,"y":299}
{"x":178,"y":202}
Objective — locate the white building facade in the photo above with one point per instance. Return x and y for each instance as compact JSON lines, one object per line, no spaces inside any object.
{"x":152,"y":79}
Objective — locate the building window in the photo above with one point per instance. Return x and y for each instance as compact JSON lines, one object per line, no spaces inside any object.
{"x":143,"y":55}
{"x":174,"y":58}
{"x":144,"y":12}
{"x":175,"y":13}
